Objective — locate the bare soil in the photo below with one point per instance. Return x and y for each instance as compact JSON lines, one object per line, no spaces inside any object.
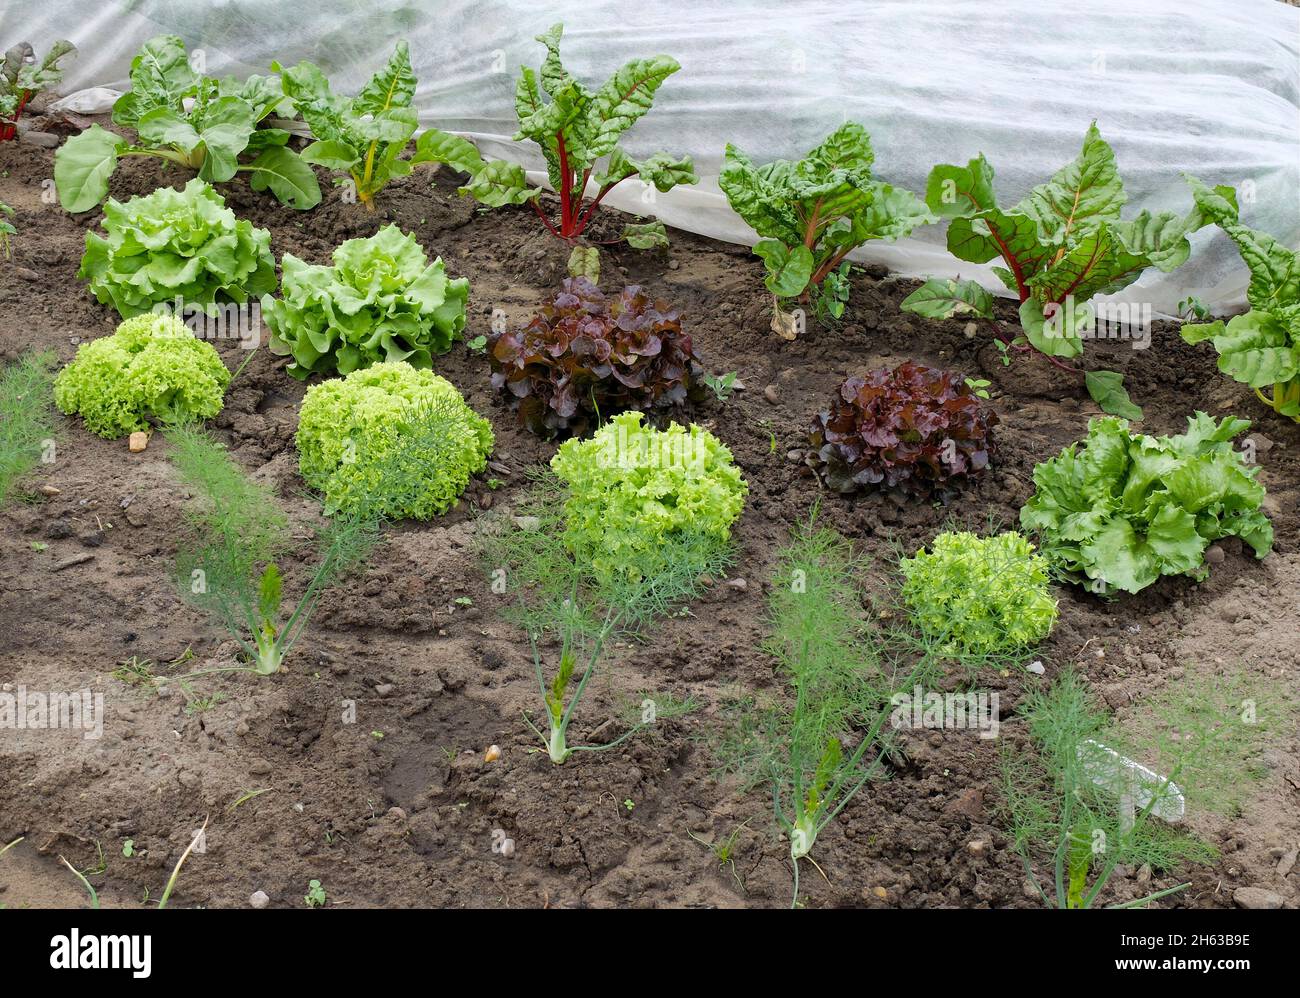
{"x":406,"y":820}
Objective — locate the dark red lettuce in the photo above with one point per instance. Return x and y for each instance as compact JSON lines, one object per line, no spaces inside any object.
{"x":914,"y":427}
{"x":584,"y":354}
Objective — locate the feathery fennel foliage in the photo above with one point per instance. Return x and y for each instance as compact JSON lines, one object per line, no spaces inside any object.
{"x":554,"y":595}
{"x":25,"y":417}
{"x":1193,"y":735}
{"x":821,"y":746}
{"x":239,"y":531}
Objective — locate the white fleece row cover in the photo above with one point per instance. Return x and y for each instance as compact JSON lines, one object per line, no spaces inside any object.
{"x":1211,"y":87}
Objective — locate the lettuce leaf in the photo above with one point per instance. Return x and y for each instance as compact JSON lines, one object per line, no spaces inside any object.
{"x":1128,"y":508}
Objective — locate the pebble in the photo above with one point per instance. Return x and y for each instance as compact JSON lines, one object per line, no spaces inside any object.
{"x":45,"y":140}
{"x":794,"y":456}
{"x":492,"y":754}
{"x":383,"y":689}
{"x":772,"y":394}
{"x":1036,"y":667}
{"x":740,"y":584}
{"x":259,"y":767}
{"x":138,"y":442}
{"x":1256,"y":897}
{"x":1214,"y":554}
{"x":977,"y":847}
{"x":1152,"y":662}
{"x":258,"y":899}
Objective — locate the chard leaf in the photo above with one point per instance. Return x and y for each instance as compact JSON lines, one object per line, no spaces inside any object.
{"x":82,"y":166}
{"x":1199,"y":332}
{"x":1057,"y":337}
{"x":287,"y":176}
{"x":391,"y":87}
{"x":499,"y":183}
{"x":1107,"y":390}
{"x":1274,"y":269}
{"x":434,"y":146}
{"x":627,"y":96}
{"x":756,"y":197}
{"x":961,"y":191}
{"x":648,"y":235}
{"x":788,"y":269}
{"x":584,"y":261}
{"x":938,"y":298}
{"x":332,"y":154}
{"x":1080,"y":196}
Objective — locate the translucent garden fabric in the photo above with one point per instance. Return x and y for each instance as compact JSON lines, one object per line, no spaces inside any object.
{"x":1211,"y":87}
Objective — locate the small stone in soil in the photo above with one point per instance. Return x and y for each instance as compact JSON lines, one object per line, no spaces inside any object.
{"x":772,"y":394}
{"x":258,"y":899}
{"x":1256,"y":897}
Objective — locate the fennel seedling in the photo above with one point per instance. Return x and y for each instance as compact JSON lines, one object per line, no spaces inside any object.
{"x":559,"y":597}
{"x":1201,"y":741}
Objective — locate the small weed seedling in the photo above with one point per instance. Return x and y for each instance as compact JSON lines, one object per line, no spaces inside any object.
{"x":722,"y":385}
{"x":315,"y":896}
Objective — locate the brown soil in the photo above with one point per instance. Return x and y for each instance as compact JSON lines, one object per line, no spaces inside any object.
{"x":407,"y":820}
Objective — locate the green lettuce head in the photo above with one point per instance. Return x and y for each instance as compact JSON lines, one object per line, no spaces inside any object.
{"x":390,"y":440}
{"x":176,"y":245}
{"x":1128,"y":508}
{"x":635,"y":491}
{"x":381,"y":301}
{"x":980,"y":595}
{"x":152,"y":367}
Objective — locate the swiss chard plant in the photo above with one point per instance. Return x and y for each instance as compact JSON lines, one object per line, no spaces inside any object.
{"x":23,"y":77}
{"x":813,"y":212}
{"x":361,"y":137}
{"x":1127,"y":508}
{"x":1060,"y":246}
{"x":197,"y":122}
{"x":578,"y":131}
{"x":1262,"y":347}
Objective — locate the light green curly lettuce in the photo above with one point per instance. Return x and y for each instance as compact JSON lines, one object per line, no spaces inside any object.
{"x":381,"y":300}
{"x":176,"y":245}
{"x":390,"y":440}
{"x":1129,"y":508}
{"x":814,"y":211}
{"x":980,"y":595}
{"x":632,"y":487}
{"x":152,"y":367}
{"x":1261,"y":348}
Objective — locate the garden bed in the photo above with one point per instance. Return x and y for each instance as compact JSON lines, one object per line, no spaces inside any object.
{"x":417,"y":641}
